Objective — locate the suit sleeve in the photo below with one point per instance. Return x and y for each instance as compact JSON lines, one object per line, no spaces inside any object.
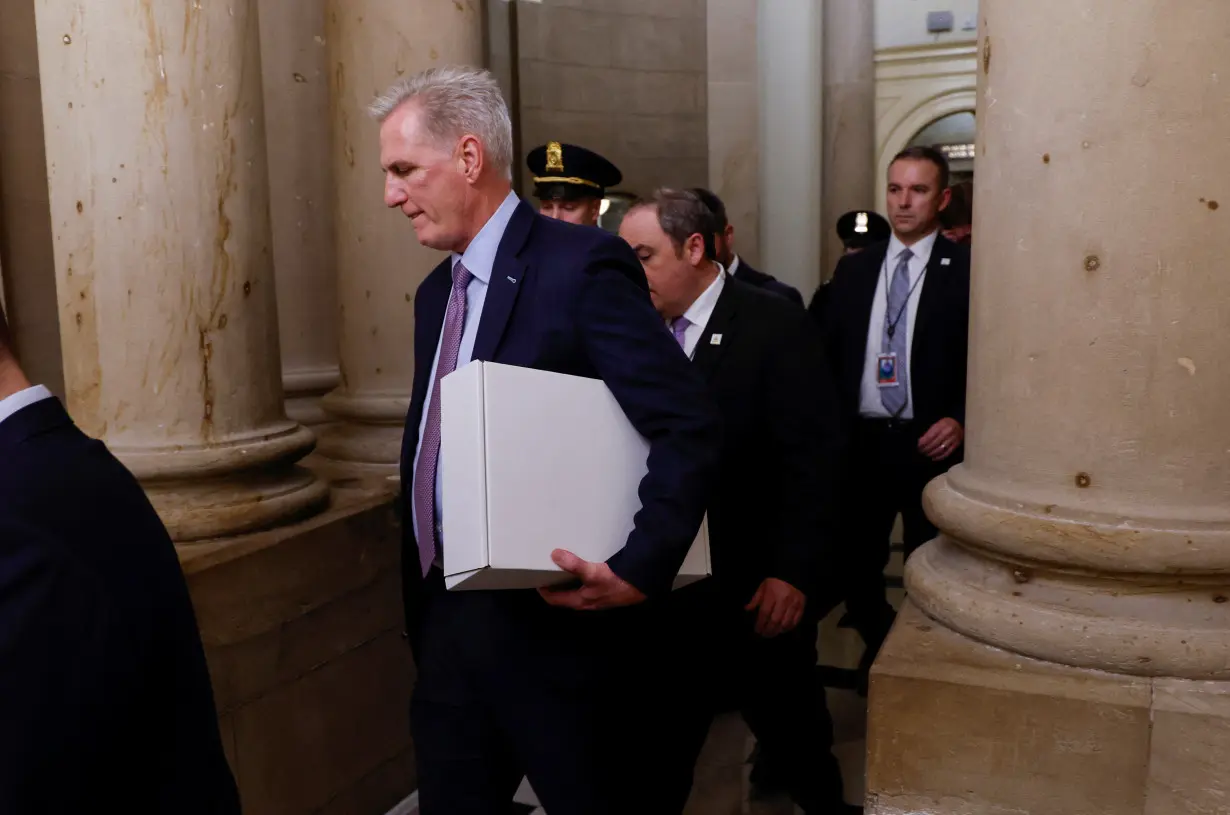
{"x":806,"y":442}
{"x":962,"y":344}
{"x":668,"y":404}
{"x":51,"y":617}
{"x":825,"y":307}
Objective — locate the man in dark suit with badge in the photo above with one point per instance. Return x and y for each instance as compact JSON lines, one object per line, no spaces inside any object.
{"x":769,"y":514}
{"x":896,"y":327}
{"x":105,"y":697}
{"x":570,"y":182}
{"x":520,"y":683}
{"x":734,"y":265}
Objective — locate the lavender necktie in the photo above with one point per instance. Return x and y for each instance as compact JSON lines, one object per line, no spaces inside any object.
{"x":679,"y":327}
{"x":429,"y":449}
{"x":896,"y":335}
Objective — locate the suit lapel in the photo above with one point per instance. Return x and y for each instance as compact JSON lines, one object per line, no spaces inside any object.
{"x":708,"y":352}
{"x":506,"y":282}
{"x":929,"y":299}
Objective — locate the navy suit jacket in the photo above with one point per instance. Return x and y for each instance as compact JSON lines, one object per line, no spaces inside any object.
{"x":574,"y":300}
{"x":105,"y":696}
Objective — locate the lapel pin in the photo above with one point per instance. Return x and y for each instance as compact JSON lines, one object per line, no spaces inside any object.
{"x":716,"y":339}
{"x":945,"y":261}
{"x":511,"y":279}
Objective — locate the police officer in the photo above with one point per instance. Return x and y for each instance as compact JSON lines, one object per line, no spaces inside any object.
{"x":570,"y":182}
{"x":861,"y":228}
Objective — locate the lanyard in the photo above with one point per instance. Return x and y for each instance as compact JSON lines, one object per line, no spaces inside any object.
{"x":890,"y":328}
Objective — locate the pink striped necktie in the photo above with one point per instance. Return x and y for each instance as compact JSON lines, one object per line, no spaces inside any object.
{"x":429,"y":449}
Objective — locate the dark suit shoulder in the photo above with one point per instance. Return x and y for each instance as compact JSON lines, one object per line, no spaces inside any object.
{"x":960,"y":253}
{"x":854,"y":267}
{"x":772,"y":314}
{"x":861,"y":261}
{"x":749,"y":274}
{"x":756,"y":298}
{"x":575,"y":253}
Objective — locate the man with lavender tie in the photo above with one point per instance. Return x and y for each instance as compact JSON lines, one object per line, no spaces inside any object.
{"x":896,"y":325}
{"x":523,"y":683}
{"x":747,"y":637}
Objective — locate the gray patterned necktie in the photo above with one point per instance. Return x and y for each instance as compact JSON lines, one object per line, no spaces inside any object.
{"x":896,"y":335}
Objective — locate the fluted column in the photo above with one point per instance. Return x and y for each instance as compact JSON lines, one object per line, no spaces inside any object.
{"x":1081,"y":579}
{"x":159,"y":200}
{"x":849,"y":118}
{"x":379,"y":262}
{"x":295,"y":66}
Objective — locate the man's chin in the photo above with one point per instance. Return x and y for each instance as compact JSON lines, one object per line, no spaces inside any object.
{"x":430,"y":238}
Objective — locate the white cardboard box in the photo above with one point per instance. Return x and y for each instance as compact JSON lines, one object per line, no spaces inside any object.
{"x":535,"y":461}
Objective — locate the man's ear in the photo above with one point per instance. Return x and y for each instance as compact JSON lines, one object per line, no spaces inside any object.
{"x":471,"y":156}
{"x":694,"y":249}
{"x":945,"y":198}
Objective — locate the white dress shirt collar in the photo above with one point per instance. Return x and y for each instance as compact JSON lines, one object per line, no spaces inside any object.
{"x":734,"y":266}
{"x":701,"y":310}
{"x":479,"y":256}
{"x":22,"y":399}
{"x":921,"y":249}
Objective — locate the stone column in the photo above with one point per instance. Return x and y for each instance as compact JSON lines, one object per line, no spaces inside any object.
{"x":159,"y":202}
{"x":849,"y":118}
{"x":1068,"y":650}
{"x":734,"y":118}
{"x":379,"y":262}
{"x":295,"y":65}
{"x":790,"y":50}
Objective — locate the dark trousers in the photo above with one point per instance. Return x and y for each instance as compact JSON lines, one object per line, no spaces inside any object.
{"x":718,"y":657}
{"x":887,"y":478}
{"x":508,"y":686}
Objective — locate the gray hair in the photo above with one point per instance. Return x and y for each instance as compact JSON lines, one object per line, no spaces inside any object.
{"x":682,"y":214}
{"x":456,"y":100}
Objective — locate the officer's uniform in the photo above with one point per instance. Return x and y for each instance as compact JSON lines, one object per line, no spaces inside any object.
{"x":860,"y":229}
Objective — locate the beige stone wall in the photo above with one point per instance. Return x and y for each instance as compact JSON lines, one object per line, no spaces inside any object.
{"x":903,"y":23}
{"x":25,"y":214}
{"x":626,"y":78}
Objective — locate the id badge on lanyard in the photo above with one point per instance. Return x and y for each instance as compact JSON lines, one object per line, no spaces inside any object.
{"x":887,"y":371}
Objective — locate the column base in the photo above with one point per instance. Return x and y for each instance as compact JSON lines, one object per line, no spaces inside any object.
{"x":237,"y":504}
{"x":302,"y":627}
{"x":957,"y":727}
{"x":361,"y":450}
{"x":304,"y":388}
{"x":366,"y":439}
{"x":307,"y":411}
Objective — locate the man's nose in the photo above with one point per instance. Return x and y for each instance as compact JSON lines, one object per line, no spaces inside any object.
{"x":393,"y":195}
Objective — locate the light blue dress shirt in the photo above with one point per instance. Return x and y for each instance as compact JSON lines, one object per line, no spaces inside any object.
{"x":479,"y":258}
